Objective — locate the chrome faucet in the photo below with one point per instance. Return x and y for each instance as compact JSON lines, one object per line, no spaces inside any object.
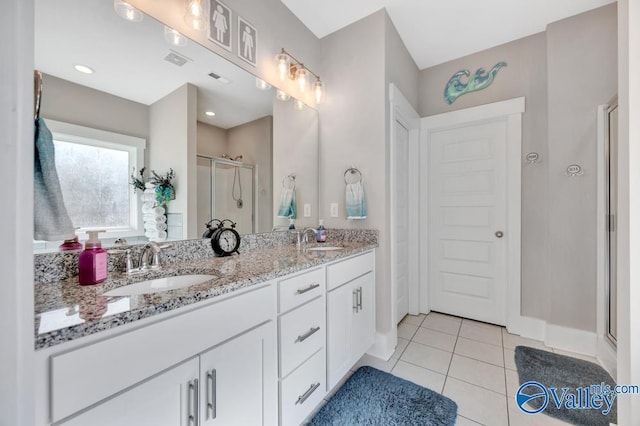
{"x":305,"y":235}
{"x":150,"y":249}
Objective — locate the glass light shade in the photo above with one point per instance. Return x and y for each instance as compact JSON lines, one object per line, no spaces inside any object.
{"x":126,"y":11}
{"x":298,"y":105}
{"x":318,"y":91}
{"x":194,"y":16}
{"x":173,"y":37}
{"x":284,"y":62}
{"x":262,"y":85}
{"x":281,"y":95}
{"x":301,"y":78}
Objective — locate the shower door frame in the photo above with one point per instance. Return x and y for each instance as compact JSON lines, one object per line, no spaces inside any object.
{"x":254,"y":181}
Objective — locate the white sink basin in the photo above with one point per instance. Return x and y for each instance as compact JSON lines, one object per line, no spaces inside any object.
{"x":325,"y":248}
{"x":159,"y":284}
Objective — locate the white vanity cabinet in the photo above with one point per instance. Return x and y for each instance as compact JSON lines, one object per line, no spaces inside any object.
{"x":350,"y":314}
{"x":167,"y":399}
{"x":215,"y":363}
{"x":302,"y":344}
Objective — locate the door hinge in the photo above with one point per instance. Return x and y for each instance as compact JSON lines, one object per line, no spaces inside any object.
{"x":611,"y":223}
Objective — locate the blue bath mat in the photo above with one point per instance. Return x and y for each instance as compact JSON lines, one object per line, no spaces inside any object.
{"x":552,"y":373}
{"x":373,"y":397}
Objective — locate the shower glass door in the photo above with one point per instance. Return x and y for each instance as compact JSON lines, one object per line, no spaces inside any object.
{"x":612,"y":236}
{"x":226,"y":191}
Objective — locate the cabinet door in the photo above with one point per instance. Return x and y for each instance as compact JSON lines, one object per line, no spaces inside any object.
{"x":340,"y":309}
{"x":363,"y":327}
{"x":168,"y":399}
{"x":238,"y":380}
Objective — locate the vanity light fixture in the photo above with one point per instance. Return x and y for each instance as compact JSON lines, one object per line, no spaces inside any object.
{"x":194,"y":15}
{"x":209,"y":113}
{"x":126,"y":11}
{"x":281,"y":95}
{"x":262,"y":85}
{"x":174,"y":37}
{"x":289,"y":67}
{"x":84,"y":69}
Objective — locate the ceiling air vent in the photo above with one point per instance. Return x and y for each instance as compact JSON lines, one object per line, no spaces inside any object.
{"x":176,"y":59}
{"x":219,"y":78}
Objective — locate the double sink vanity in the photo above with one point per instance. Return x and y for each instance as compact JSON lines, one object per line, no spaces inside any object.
{"x":254,"y":339}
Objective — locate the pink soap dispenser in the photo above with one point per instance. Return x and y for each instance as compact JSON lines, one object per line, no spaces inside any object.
{"x":92,"y":261}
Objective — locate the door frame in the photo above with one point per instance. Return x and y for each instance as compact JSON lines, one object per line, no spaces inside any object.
{"x":403,"y":112}
{"x":509,"y":111}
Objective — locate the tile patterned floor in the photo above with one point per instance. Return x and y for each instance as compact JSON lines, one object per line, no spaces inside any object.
{"x":468,"y":361}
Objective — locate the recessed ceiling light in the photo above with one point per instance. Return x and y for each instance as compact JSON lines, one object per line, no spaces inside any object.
{"x":210,"y":113}
{"x":84,"y":69}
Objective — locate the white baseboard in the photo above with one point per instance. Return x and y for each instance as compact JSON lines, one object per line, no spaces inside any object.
{"x":607,"y":357}
{"x":385,"y":345}
{"x":568,"y":339}
{"x":571,"y":339}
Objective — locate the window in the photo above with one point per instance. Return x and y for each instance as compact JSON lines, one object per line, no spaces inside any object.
{"x":94,"y":168}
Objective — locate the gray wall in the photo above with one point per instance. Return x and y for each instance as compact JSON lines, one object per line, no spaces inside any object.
{"x":564,"y":73}
{"x":212,"y":140}
{"x":582,"y":69}
{"x":72,"y":103}
{"x":172,"y":130}
{"x":359,"y":61}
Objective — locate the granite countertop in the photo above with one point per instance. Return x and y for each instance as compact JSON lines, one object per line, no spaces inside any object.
{"x":66,"y":310}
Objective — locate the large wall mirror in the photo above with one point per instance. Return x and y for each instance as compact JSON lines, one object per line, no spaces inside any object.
{"x":233,"y":146}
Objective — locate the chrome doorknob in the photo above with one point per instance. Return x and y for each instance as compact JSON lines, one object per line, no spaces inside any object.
{"x":499,"y":234}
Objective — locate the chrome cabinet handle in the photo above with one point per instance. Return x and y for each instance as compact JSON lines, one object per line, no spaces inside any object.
{"x":212,"y":393}
{"x":355,"y":301}
{"x":499,"y":234}
{"x":311,"y":287}
{"x":360,"y":298}
{"x":308,"y":334}
{"x":192,"y":402}
{"x":302,"y":398}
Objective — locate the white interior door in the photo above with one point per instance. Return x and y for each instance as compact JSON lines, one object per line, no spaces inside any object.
{"x":467,"y":221}
{"x":401,"y":224}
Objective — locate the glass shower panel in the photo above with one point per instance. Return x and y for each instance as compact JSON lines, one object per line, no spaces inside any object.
{"x":233,"y":194}
{"x":612,"y":313}
{"x":203,"y":176}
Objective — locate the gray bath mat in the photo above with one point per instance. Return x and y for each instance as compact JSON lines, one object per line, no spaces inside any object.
{"x":565,"y":381}
{"x":373,"y":397}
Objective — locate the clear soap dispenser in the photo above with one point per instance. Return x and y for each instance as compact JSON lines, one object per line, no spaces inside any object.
{"x":92,"y":261}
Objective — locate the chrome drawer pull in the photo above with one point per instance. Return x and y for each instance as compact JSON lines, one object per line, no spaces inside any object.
{"x":307,"y":335}
{"x":360,"y":298}
{"x":311,"y":287}
{"x":211,"y":393}
{"x":355,"y":301}
{"x":302,"y":398}
{"x":192,"y":402}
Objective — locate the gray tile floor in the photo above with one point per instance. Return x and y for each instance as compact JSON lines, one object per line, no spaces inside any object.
{"x":468,"y":361}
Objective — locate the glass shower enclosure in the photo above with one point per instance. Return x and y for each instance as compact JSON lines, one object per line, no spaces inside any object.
{"x":226,"y":190}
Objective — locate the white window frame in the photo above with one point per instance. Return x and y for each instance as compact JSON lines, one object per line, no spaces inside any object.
{"x":67,"y":132}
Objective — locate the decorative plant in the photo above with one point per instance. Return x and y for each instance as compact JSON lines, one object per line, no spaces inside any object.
{"x":164,"y":188}
{"x":138,"y":183}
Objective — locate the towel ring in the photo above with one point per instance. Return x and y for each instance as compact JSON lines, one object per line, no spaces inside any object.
{"x":289,"y":182}
{"x":352,"y":175}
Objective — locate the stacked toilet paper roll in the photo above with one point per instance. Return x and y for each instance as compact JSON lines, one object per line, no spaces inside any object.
{"x":155,"y":219}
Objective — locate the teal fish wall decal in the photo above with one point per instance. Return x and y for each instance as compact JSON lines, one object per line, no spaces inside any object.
{"x":480,"y":80}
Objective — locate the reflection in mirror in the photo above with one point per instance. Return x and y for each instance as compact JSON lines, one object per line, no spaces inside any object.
{"x":144,"y":87}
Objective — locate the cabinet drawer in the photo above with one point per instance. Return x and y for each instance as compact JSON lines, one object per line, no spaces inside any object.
{"x":342,"y":272}
{"x":303,"y":390}
{"x":302,"y":333}
{"x":296,"y":290}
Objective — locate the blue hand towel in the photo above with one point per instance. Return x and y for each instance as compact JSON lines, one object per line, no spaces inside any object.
{"x":287,"y":203}
{"x":356,"y":206}
{"x":51,"y":220}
